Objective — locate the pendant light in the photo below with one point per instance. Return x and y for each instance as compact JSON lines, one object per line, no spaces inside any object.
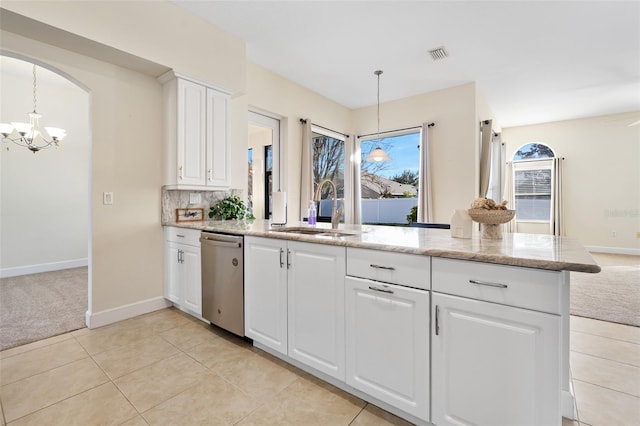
{"x":29,"y":135}
{"x":378,"y":155}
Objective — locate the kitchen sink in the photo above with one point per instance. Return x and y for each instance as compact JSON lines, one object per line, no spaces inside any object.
{"x":322,"y":232}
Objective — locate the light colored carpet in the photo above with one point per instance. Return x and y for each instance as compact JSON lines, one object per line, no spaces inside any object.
{"x":37,"y":306}
{"x":613,"y":294}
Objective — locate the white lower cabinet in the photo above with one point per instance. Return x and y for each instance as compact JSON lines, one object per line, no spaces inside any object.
{"x":183,"y":280}
{"x":265,"y":292}
{"x":493,"y":364}
{"x":316,"y":306}
{"x":294,"y":300}
{"x":387,"y":343}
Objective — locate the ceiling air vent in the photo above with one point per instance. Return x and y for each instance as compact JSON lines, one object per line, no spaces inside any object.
{"x":438,"y":53}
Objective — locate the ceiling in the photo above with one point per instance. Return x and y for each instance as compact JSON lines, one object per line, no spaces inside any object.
{"x":533,"y":61}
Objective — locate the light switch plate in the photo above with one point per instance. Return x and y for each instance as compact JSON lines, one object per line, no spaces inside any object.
{"x":195,"y":198}
{"x":107,"y":198}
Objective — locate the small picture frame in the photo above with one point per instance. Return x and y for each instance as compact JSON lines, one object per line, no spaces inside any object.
{"x":189,"y":215}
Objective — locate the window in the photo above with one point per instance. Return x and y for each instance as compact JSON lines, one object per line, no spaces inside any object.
{"x":389,"y":190}
{"x":533,"y":178}
{"x":328,"y":163}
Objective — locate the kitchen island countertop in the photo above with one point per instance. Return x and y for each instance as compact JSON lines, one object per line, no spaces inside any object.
{"x":525,"y":250}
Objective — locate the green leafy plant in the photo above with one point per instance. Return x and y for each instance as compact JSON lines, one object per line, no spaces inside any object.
{"x":413,"y":214}
{"x":231,"y":207}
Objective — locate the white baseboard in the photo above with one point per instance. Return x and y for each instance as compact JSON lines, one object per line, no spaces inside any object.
{"x":43,"y":267}
{"x":109,"y":316}
{"x":613,"y":250}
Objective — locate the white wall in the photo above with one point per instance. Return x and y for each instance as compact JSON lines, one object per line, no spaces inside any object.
{"x":601,"y":172}
{"x":44,"y":197}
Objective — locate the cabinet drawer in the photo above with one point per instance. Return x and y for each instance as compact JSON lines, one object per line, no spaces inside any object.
{"x":509,"y":285}
{"x":182,"y":235}
{"x":410,"y":270}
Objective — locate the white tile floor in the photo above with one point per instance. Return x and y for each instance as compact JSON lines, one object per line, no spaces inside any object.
{"x":168,"y":368}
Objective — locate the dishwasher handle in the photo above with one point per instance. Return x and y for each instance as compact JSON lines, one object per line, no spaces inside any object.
{"x":221,"y":240}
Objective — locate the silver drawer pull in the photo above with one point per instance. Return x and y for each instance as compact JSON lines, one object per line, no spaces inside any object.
{"x":488,"y":284}
{"x":178,"y":235}
{"x":383,"y":290}
{"x":388,"y":268}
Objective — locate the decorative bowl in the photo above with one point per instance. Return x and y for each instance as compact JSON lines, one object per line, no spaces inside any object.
{"x":491,"y":217}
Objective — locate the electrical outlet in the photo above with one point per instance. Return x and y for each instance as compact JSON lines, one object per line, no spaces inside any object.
{"x":107,"y":198}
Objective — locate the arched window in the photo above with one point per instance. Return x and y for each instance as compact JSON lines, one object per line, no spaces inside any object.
{"x":533,"y":182}
{"x":533,"y":151}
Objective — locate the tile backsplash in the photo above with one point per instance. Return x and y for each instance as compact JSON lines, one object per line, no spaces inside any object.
{"x":173,"y":199}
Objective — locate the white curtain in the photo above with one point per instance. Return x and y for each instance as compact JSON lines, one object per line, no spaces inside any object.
{"x":485,"y":157}
{"x":509,"y":195}
{"x":556,"y":224}
{"x":306,"y":176}
{"x":352,"y":209}
{"x":425,"y":213}
{"x":496,"y":176}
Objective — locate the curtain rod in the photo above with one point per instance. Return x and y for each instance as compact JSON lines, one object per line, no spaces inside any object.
{"x":303,"y":121}
{"x":397,"y":130}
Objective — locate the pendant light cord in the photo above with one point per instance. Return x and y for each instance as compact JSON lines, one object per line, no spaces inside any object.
{"x":378,"y":72}
{"x":34,"y":88}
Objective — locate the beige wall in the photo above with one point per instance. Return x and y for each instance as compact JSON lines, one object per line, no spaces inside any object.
{"x":453,"y":140}
{"x":601,"y":175}
{"x":126,"y":153}
{"x":44,"y":197}
{"x":126,"y":119}
{"x":158,"y":31}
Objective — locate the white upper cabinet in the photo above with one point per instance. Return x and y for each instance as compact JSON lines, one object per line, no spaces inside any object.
{"x":196,"y":120}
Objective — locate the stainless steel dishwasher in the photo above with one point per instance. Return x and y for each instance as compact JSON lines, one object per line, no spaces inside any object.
{"x":223,"y":280}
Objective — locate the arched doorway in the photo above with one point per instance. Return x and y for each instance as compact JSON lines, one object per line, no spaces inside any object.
{"x":44,"y":206}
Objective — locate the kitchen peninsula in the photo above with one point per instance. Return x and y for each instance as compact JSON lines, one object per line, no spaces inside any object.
{"x":432,"y":328}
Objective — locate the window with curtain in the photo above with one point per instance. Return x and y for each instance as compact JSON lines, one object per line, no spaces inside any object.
{"x":389,"y":190}
{"x":328,"y":153}
{"x":533,"y":183}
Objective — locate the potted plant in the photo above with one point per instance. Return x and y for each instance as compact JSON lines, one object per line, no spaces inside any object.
{"x":231,"y":207}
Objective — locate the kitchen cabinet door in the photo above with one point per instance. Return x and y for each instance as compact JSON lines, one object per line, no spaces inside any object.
{"x":387,"y":343}
{"x":196,"y":123}
{"x":192,"y":279}
{"x":173,"y":272}
{"x":265,"y":292}
{"x":316,"y":306}
{"x":191,"y":136}
{"x":493,"y":364}
{"x":217,"y":139}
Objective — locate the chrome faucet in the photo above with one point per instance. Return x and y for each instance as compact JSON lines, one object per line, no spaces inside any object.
{"x":336,"y":212}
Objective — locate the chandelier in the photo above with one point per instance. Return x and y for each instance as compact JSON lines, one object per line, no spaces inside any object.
{"x":29,"y":135}
{"x":378,"y":155}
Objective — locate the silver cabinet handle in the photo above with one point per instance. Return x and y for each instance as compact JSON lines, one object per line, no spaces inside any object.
{"x":488,"y":284}
{"x":437,"y":321}
{"x":179,"y":236}
{"x":383,"y":290}
{"x":288,"y":259}
{"x":209,"y":175}
{"x":281,"y":258}
{"x":180,"y":173}
{"x":388,"y":268}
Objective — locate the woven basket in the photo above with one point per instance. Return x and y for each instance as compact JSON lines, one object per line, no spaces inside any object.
{"x":491,"y":217}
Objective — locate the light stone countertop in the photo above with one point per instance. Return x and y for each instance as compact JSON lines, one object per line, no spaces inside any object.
{"x":526,"y":250}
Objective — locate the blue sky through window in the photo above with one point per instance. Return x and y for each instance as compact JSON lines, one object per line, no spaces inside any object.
{"x":403,"y":150}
